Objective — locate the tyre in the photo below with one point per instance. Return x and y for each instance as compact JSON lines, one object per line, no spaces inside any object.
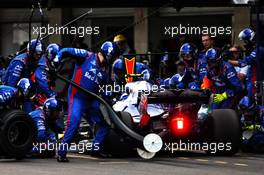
{"x":224,"y":130}
{"x":126,"y":118}
{"x":17,"y":133}
{"x":115,"y":143}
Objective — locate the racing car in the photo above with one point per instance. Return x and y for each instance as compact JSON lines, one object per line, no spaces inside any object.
{"x":172,"y":115}
{"x":143,"y":119}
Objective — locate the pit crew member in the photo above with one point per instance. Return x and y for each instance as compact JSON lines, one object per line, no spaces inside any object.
{"x":90,"y":72}
{"x":187,"y":76}
{"x":45,"y":119}
{"x":121,"y":42}
{"x":43,"y":80}
{"x":11,"y":97}
{"x":248,"y":36}
{"x":208,"y":43}
{"x":222,"y":80}
{"x":23,"y":66}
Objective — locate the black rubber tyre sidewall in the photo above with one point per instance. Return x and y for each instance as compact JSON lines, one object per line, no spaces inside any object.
{"x":8,"y":118}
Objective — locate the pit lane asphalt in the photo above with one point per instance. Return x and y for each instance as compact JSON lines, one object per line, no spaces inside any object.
{"x":179,"y":163}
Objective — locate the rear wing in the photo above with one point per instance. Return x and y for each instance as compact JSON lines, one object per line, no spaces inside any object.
{"x":172,"y":96}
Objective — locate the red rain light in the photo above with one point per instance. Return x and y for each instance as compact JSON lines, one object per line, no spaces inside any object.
{"x":179,"y":125}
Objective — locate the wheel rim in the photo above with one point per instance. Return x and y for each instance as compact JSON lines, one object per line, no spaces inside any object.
{"x":18,"y":133}
{"x":145,"y":154}
{"x":152,"y":143}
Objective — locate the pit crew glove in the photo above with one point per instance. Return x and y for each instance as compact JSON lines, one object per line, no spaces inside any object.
{"x":218,"y":98}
